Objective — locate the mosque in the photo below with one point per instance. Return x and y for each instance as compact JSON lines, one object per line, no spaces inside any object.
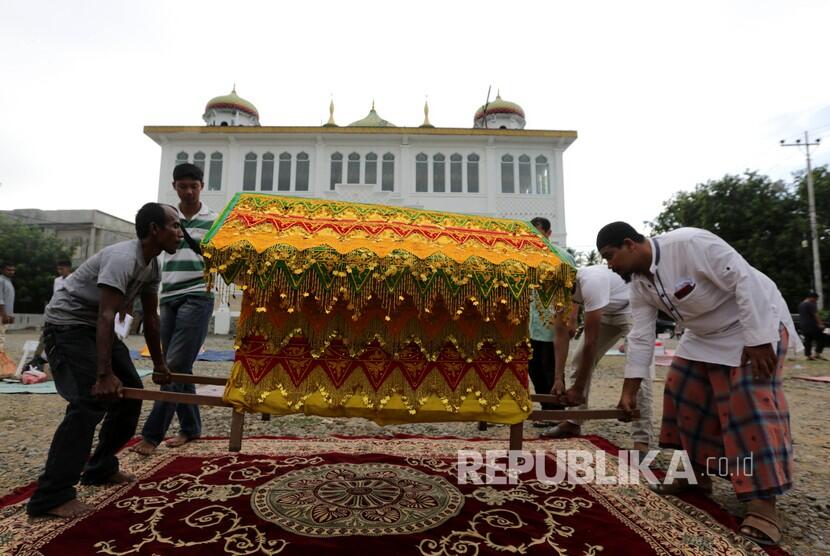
{"x":496,"y":167}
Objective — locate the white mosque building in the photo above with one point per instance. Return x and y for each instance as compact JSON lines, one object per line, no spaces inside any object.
{"x":496,"y":167}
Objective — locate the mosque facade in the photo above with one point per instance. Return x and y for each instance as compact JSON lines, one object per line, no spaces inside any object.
{"x":496,"y":167}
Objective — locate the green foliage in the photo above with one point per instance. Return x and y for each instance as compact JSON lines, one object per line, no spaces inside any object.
{"x":34,"y":254}
{"x":764,"y":220}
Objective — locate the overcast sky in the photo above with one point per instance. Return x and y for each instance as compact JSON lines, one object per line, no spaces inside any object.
{"x":664,"y":95}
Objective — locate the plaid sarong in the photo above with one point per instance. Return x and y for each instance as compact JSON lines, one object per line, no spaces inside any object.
{"x":731,"y":424}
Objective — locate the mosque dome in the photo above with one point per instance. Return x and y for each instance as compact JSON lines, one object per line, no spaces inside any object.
{"x":501,"y":114}
{"x":230,"y":110}
{"x":232,"y":101}
{"x":500,"y":106}
{"x":372,"y":120}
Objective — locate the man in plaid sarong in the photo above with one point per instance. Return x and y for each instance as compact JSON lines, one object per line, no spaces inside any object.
{"x":723,"y":402}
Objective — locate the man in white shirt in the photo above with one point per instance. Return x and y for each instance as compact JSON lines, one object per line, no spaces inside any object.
{"x":723,"y":401}
{"x":603,"y":295}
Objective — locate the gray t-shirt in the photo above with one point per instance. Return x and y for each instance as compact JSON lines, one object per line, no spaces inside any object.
{"x":120,"y":266}
{"x":6,"y":294}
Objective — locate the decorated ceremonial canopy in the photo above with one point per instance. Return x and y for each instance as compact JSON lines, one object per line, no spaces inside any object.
{"x":390,"y":313}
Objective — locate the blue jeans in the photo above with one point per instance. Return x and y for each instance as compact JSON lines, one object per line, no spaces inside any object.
{"x":184,"y":326}
{"x":73,"y":359}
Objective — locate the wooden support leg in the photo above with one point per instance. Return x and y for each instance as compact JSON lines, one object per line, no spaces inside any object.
{"x":237,"y":425}
{"x":266,"y":416}
{"x":482,"y":425}
{"x":516,"y":433}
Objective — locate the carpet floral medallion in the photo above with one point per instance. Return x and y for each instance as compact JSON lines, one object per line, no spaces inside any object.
{"x":365,"y":496}
{"x":357,"y":499}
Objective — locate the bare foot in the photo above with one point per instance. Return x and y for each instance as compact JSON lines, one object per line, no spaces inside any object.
{"x":73,"y":508}
{"x":178,"y":440}
{"x":144,"y":448}
{"x":117,"y":478}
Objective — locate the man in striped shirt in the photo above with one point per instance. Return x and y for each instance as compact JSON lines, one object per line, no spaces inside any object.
{"x":186,"y":307}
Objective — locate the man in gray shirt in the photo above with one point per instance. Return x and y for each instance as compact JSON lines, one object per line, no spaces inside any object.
{"x":91,"y":366}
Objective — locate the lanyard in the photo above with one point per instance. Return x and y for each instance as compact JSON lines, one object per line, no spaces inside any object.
{"x":664,"y":297}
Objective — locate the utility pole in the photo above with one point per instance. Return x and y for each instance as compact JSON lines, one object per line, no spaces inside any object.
{"x":811,"y":200}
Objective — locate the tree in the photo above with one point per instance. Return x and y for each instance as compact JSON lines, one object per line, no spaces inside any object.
{"x":34,"y":254}
{"x":585,"y":258}
{"x":762,"y":219}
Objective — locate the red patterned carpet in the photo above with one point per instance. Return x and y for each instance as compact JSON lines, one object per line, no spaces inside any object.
{"x":364,"y":496}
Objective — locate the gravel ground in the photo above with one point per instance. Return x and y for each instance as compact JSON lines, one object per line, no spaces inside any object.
{"x":28,"y":421}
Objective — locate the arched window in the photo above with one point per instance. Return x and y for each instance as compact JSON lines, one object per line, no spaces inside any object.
{"x":438,"y":173}
{"x":181,"y":158}
{"x":371,"y":170}
{"x":388,"y":173}
{"x":215,"y":180}
{"x":542,"y":176}
{"x":199,"y":160}
{"x":249,"y":173}
{"x":421,"y":174}
{"x":456,"y":174}
{"x":353,"y":169}
{"x":267,"y":180}
{"x":507,"y":180}
{"x":525,"y":185}
{"x":472,"y":173}
{"x":336,"y":170}
{"x":302,"y":172}
{"x":284,"y":175}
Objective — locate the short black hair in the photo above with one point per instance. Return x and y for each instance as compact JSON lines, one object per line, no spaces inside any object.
{"x":615,"y":233}
{"x":148,"y":214}
{"x":812,"y":294}
{"x":64,"y":262}
{"x":188,"y":170}
{"x":7,"y":264}
{"x":541,"y":221}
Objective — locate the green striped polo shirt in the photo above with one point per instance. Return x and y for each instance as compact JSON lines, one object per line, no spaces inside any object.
{"x":183,"y":272}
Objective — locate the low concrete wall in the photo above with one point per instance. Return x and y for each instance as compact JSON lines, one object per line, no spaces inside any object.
{"x":23,"y":321}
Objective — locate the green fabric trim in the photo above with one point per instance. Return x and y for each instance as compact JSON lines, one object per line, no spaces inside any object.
{"x":222,"y":217}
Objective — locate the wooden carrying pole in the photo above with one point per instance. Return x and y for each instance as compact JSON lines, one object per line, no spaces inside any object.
{"x":238,"y":419}
{"x":182,"y":378}
{"x":573,"y":414}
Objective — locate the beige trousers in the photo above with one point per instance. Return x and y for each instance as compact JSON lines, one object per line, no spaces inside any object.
{"x":612,"y":329}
